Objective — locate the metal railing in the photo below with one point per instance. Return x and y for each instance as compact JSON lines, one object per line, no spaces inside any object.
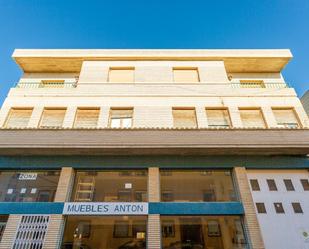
{"x":259,"y":85}
{"x":46,"y":85}
{"x":74,"y":84}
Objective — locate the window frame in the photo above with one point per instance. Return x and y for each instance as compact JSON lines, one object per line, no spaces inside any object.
{"x":289,"y":187}
{"x":298,"y":120}
{"x":258,"y":185}
{"x":196,"y":69}
{"x":260,"y":208}
{"x":185,"y":109}
{"x":220,"y":109}
{"x":84,"y":109}
{"x":303,"y":182}
{"x":279,"y":208}
{"x":270,"y":187}
{"x":65,"y":109}
{"x":121,"y":68}
{"x":9,"y":114}
{"x":121,"y":109}
{"x":297,"y":208}
{"x":253,"y":109}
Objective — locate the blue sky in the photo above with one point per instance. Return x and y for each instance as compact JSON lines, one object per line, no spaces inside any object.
{"x":155,"y":24}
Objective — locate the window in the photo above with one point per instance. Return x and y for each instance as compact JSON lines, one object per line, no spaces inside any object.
{"x":201,"y":232}
{"x":288,"y":184}
{"x":3,"y":221}
{"x":252,"y":84}
{"x":18,"y":118}
{"x":184,"y":118}
{"x":252,"y":118}
{"x":121,"y":118}
{"x":121,"y":229}
{"x":279,"y":207}
{"x":297,"y":208}
{"x":203,"y":187}
{"x":112,"y":232}
{"x":305,"y":184}
{"x":110,"y":186}
{"x":185,"y":75}
{"x":218,"y":118}
{"x":286,"y":118}
{"x":121,"y":75}
{"x":52,"y":83}
{"x":168,"y":228}
{"x":52,"y":118}
{"x":254,"y":185}
{"x":260,"y":206}
{"x":28,"y":186}
{"x":86,"y":118}
{"x":271,"y":185}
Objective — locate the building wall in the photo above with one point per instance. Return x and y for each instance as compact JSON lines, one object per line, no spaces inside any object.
{"x":282,"y":231}
{"x":305,"y":101}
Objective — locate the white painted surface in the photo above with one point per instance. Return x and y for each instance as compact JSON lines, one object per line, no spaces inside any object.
{"x":282,"y":231}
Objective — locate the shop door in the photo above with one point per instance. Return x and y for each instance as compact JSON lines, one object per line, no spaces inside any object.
{"x":191,"y":232}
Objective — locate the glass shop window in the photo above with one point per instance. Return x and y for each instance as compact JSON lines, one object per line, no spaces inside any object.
{"x":3,"y":221}
{"x":121,"y":232}
{"x":28,"y":186}
{"x":202,"y":232}
{"x":111,"y":186}
{"x":196,"y":186}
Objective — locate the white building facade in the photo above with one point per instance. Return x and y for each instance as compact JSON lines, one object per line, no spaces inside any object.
{"x":153,"y":149}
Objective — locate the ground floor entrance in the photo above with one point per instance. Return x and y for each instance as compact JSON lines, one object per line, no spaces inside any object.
{"x":202,"y":232}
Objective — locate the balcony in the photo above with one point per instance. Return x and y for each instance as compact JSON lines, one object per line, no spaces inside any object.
{"x":152,"y":141}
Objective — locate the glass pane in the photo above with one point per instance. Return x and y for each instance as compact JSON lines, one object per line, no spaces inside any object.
{"x":252,"y":118}
{"x":111,"y":186}
{"x":126,"y":122}
{"x":52,"y":118}
{"x":34,"y":186}
{"x":90,"y":232}
{"x":286,"y":118}
{"x":218,"y":118}
{"x":86,"y":118}
{"x":18,"y":118}
{"x":115,"y":123}
{"x":204,"y":186}
{"x":202,"y":232}
{"x":184,"y":118}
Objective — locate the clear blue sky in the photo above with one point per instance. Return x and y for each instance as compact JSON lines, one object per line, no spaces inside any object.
{"x":155,"y":24}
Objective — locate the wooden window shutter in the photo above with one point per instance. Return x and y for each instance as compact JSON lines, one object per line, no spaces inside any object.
{"x":218,"y":117}
{"x":184,"y":118}
{"x":252,"y":118}
{"x":286,"y":118}
{"x":121,"y":75}
{"x":52,"y":118}
{"x":18,"y":118}
{"x":86,"y":118}
{"x":186,"y":75}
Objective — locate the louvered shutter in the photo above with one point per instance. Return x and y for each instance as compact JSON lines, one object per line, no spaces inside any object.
{"x":286,"y":118}
{"x":184,"y":118}
{"x":52,"y":118}
{"x":218,"y":117}
{"x":121,"y":75}
{"x":252,"y":118}
{"x":18,"y":118}
{"x":186,"y":75}
{"x":86,"y":118}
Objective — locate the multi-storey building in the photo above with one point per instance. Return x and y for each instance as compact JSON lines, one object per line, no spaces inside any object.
{"x":120,"y":149}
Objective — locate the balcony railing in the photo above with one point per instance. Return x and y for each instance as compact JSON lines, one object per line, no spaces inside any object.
{"x":46,"y":85}
{"x":259,"y":85}
{"x":74,"y":84}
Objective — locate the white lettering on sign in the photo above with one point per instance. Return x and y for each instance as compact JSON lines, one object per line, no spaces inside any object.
{"x":27,"y":176}
{"x":105,"y":208}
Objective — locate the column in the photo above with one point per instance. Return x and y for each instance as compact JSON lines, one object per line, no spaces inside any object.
{"x":103,"y":117}
{"x":10,"y":231}
{"x":251,"y":222}
{"x":201,"y":117}
{"x":154,"y":224}
{"x":56,"y":224}
{"x":69,"y":117}
{"x":235,"y":117}
{"x":35,"y":117}
{"x":269,"y":117}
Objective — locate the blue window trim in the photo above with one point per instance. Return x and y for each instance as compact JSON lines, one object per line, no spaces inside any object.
{"x":163,"y":208}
